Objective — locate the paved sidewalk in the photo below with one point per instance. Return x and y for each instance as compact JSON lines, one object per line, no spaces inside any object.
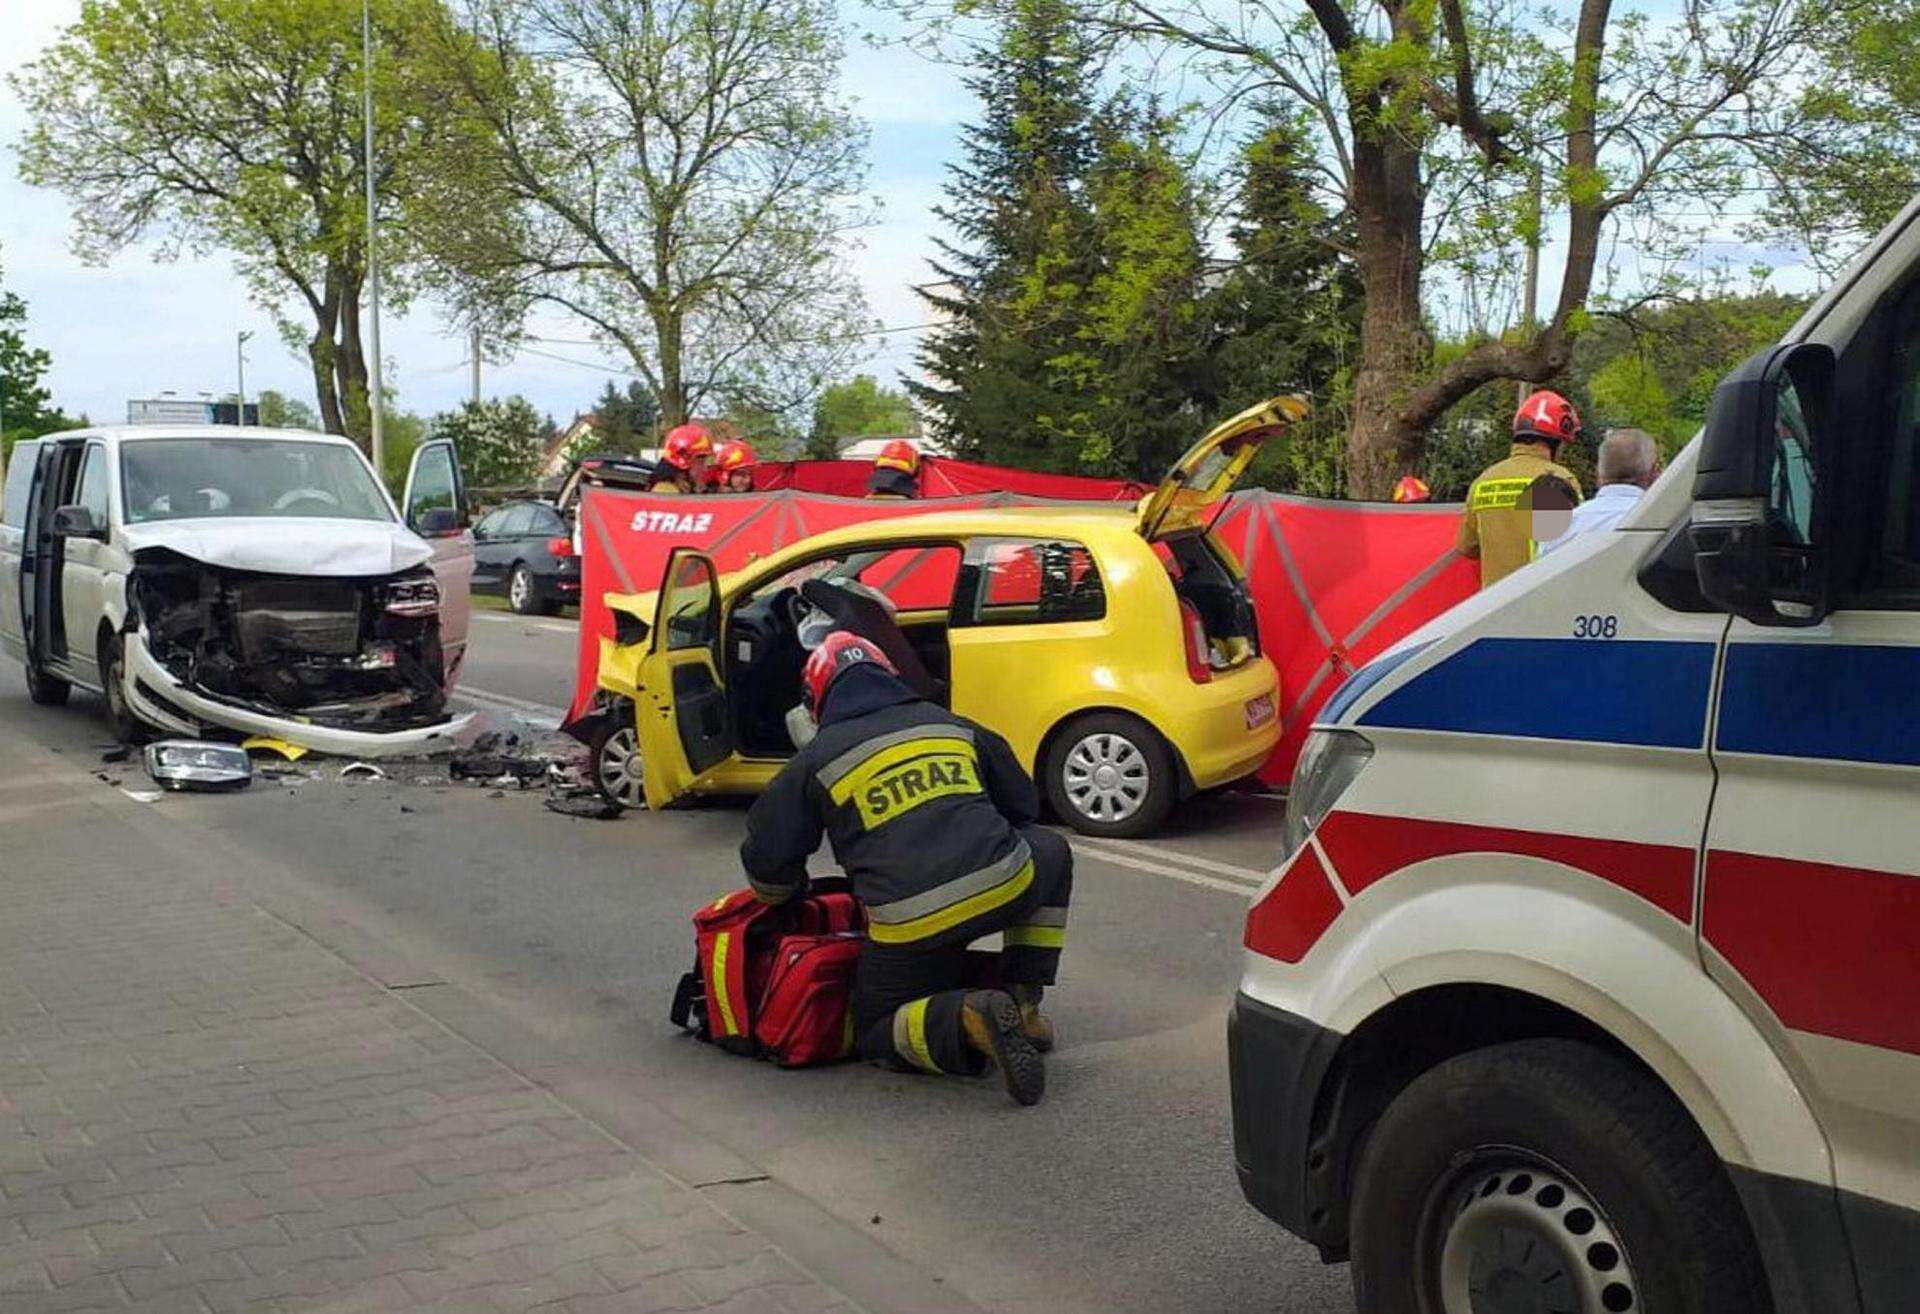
{"x":203,"y":1109}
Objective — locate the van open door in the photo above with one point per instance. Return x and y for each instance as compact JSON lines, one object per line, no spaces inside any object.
{"x":1200,"y":480}
{"x":683,"y":722}
{"x":434,"y":505}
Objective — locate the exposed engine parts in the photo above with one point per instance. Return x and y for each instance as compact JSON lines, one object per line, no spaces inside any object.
{"x":347,"y":653}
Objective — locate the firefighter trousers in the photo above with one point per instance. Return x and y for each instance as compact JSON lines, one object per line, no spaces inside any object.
{"x":906,"y":997}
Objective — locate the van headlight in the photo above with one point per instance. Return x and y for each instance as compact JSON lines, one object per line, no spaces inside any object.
{"x":1330,"y":762}
{"x":417,"y":595}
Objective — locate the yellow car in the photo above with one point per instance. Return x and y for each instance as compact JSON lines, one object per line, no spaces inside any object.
{"x":1115,"y":648}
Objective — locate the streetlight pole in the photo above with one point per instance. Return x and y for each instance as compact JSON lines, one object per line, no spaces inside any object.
{"x":240,"y":376}
{"x":375,"y":391}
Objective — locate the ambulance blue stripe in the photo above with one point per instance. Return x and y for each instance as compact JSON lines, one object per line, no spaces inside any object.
{"x":1364,"y":679}
{"x":1845,"y":702}
{"x":1609,"y":691}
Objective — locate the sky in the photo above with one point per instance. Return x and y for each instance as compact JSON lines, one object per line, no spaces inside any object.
{"x":140,"y":326}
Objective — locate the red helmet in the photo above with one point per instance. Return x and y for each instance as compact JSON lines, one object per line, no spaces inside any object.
{"x":733,"y":455}
{"x":1546,"y":416}
{"x":1411,"y":488}
{"x":839,"y":651}
{"x":684,"y":443}
{"x":898,"y":455}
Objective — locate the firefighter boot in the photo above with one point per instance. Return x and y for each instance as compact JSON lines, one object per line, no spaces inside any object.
{"x":990,"y":1022}
{"x":1038,"y":1028}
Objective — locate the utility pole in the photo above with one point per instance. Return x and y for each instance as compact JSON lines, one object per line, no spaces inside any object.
{"x":375,"y":397}
{"x":1530,"y":297}
{"x":240,"y":373}
{"x":474,"y":347}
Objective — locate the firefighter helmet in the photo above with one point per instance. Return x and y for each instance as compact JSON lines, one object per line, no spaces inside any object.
{"x":1546,"y":416}
{"x":685,"y":442}
{"x":898,"y":455}
{"x":840,"y":651}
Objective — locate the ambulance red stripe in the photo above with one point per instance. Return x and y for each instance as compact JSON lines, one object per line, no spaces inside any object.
{"x":1833,"y":950}
{"x":1296,"y":913}
{"x":1365,"y":848}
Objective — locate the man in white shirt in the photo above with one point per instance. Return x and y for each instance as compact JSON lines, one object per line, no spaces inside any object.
{"x":1627,"y":464}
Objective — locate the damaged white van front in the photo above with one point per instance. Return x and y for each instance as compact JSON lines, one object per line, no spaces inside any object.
{"x":255,"y":581}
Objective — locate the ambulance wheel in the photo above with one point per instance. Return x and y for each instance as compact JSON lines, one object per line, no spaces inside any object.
{"x":1546,"y":1175}
{"x":46,"y":690}
{"x":613,"y":756}
{"x":1109,"y":774}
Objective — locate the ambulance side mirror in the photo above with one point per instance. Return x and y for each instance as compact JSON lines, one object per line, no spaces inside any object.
{"x":1758,"y":501}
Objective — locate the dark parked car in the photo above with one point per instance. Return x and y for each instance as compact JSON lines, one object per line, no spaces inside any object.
{"x":524,"y":550}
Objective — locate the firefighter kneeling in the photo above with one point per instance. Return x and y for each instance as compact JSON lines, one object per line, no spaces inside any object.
{"x":933,"y":819}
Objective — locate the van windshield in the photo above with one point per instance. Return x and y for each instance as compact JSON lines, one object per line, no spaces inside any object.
{"x":198,"y":478}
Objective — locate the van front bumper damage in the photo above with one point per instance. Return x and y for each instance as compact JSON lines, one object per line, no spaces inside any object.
{"x":157,"y":698}
{"x":350,"y":665}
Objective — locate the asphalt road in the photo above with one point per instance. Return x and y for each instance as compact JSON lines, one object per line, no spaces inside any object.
{"x":1116,"y":1194}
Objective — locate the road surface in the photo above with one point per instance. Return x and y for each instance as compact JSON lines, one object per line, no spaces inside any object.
{"x":1115,"y":1194}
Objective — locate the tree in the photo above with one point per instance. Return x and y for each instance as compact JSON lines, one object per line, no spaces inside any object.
{"x":1286,"y":310}
{"x":498,"y":441}
{"x":234,"y":125}
{"x":279,"y":411}
{"x":1434,"y":118}
{"x":1010,"y":283}
{"x":25,"y":406}
{"x":624,"y":422}
{"x":683,"y":177}
{"x":858,"y":408}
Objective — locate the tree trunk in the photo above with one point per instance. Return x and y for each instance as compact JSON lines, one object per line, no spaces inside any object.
{"x":1395,"y":348}
{"x":320,"y":355}
{"x":350,"y":365}
{"x":673,"y":390}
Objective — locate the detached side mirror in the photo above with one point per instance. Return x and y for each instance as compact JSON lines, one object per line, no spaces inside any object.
{"x":77,"y":522}
{"x":437,"y":522}
{"x":1757,"y":496}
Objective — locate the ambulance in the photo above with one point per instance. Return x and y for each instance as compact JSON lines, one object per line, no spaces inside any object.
{"x":1590,"y":979}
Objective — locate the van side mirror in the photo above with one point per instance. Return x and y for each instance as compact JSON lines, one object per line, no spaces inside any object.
{"x":77,"y":522}
{"x":1758,"y":501}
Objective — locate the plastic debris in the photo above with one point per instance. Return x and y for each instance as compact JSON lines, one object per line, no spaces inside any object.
{"x":581,"y":801}
{"x":117,"y":753}
{"x":361,"y":770}
{"x":268,"y":744}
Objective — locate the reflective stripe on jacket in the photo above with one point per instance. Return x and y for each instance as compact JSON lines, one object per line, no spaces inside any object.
{"x":920,"y":807}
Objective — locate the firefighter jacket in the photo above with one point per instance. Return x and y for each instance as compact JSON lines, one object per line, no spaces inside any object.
{"x":1497,"y":526}
{"x":920,"y":806}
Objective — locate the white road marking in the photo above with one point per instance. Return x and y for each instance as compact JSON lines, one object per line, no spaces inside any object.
{"x":1247,"y":876}
{"x":526,"y":622}
{"x":1125,"y":859}
{"x":486,"y":698}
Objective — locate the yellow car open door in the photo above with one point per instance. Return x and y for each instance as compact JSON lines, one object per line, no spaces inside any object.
{"x":1201,"y":480}
{"x":681,"y":713}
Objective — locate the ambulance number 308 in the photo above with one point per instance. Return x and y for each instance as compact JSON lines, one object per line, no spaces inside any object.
{"x":1596,"y":627}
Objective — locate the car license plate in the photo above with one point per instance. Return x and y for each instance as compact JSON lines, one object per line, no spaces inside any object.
{"x":1259,"y":711}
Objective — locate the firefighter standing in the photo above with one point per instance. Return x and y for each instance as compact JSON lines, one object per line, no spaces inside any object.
{"x":1498,"y":526}
{"x":733,"y":464}
{"x":933,"y":819}
{"x":896,"y":471}
{"x":683,"y":460}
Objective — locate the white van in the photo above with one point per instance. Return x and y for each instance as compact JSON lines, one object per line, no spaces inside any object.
{"x":256,"y":581}
{"x":1591,"y":978}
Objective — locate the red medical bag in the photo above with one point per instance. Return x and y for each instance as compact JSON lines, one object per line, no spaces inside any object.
{"x":776,"y":981}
